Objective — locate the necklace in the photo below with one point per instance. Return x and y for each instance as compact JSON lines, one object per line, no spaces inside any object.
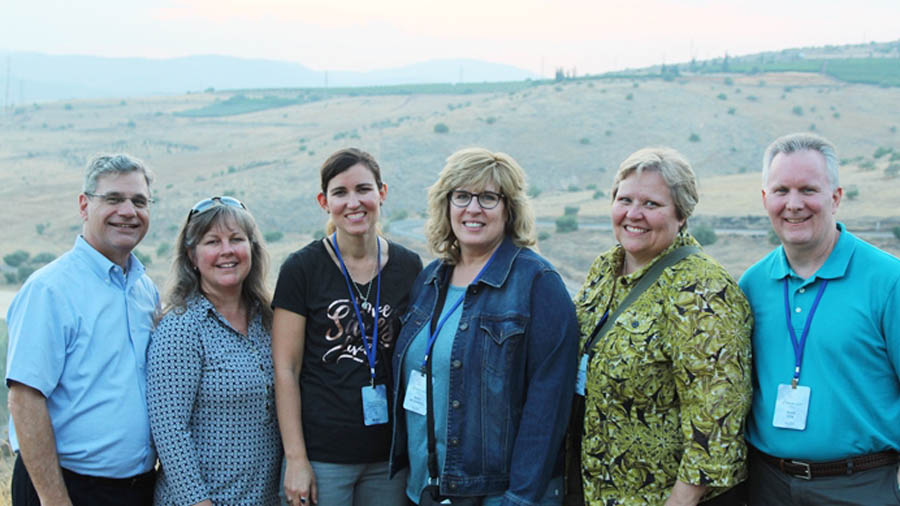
{"x":364,"y":298}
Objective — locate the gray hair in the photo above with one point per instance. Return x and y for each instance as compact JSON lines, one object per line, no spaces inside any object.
{"x":803,"y":141}
{"x":675,"y":170}
{"x":121,"y":163}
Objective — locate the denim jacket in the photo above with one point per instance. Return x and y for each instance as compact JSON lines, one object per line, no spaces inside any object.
{"x":512,"y":377}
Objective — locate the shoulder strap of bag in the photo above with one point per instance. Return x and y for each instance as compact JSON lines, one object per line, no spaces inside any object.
{"x":433,"y":472}
{"x":650,"y":277}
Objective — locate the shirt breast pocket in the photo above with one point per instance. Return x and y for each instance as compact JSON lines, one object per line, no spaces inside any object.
{"x":502,"y":340}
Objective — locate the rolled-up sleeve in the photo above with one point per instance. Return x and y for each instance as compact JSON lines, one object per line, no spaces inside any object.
{"x":711,"y":364}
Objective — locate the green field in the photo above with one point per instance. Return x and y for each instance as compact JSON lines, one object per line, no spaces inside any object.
{"x":878,"y":71}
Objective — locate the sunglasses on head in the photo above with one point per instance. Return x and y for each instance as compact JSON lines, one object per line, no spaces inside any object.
{"x":207,"y":204}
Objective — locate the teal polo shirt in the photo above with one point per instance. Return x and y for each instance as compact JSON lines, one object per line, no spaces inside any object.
{"x":851,"y":360}
{"x":78,"y":333}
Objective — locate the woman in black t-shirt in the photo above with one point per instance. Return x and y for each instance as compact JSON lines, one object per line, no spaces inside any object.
{"x":336,"y":441}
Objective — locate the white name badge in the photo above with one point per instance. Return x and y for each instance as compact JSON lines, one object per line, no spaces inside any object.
{"x":416,"y":398}
{"x":791,"y":407}
{"x":375,"y":405}
{"x":581,"y":378}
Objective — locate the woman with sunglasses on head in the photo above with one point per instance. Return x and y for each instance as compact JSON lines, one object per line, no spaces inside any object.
{"x":210,"y":379}
{"x":337,"y":307}
{"x":492,"y":328}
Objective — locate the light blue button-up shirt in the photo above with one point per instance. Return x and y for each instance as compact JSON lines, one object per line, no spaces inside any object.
{"x":851,"y":360}
{"x":78,"y":333}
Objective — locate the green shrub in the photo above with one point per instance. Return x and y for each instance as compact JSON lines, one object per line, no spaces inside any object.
{"x":892,"y":170}
{"x":571,"y":210}
{"x":881,"y":151}
{"x":16,"y":258}
{"x":797,"y":110}
{"x":894,"y":156}
{"x":694,"y":137}
{"x":399,"y":214}
{"x":591,"y":186}
{"x":722,"y":96}
{"x":705,"y":235}
{"x":731,"y":111}
{"x":23,"y":272}
{"x":851,"y":192}
{"x":143,"y":257}
{"x":273,"y":236}
{"x":534,"y":191}
{"x":441,"y":128}
{"x":867,"y":165}
{"x":567,"y":223}
{"x":630,"y":96}
{"x":598,"y":194}
{"x":584,"y":140}
{"x":574,"y":188}
{"x":162,"y":249}
{"x":896,"y":231}
{"x":43,"y":258}
{"x":543,"y":235}
{"x":10,"y":278}
{"x":728,"y":81}
{"x":773,"y":237}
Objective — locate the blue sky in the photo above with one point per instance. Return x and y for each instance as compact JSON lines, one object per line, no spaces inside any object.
{"x":537,"y":35}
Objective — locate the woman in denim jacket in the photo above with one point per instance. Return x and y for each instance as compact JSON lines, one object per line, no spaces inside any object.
{"x":503,"y":361}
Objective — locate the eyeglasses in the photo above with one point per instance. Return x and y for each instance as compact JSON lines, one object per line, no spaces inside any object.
{"x":486,"y":199}
{"x":117,"y":199}
{"x":207,"y":204}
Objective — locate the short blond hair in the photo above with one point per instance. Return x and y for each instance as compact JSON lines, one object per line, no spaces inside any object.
{"x":675,"y":170}
{"x":476,"y":168}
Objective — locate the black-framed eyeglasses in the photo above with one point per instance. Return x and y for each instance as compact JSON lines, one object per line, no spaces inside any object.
{"x":486,"y":199}
{"x":207,"y":204}
{"x":116,"y":199}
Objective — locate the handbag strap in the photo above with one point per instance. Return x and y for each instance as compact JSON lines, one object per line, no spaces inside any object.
{"x":650,"y":277}
{"x":433,"y":473}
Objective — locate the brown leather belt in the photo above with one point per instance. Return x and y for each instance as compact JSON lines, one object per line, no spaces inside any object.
{"x":809,"y":470}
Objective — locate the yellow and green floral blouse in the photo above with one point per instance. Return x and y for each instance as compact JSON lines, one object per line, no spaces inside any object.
{"x":668,"y":387}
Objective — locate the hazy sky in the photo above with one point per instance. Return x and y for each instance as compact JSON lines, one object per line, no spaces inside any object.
{"x":589,"y":35}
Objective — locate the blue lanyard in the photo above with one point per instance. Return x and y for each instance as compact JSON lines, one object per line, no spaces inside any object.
{"x":370,"y":351}
{"x":798,"y":346}
{"x":443,"y":320}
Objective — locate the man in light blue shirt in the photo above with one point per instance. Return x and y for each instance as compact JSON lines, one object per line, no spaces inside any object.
{"x":78,"y":335}
{"x":825,"y":419}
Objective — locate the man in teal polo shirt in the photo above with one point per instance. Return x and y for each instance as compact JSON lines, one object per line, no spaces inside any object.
{"x":78,"y":335}
{"x":825,"y":420}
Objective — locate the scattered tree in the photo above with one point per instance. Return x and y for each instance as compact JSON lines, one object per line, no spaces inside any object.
{"x":441,"y":128}
{"x":694,"y":137}
{"x":567,"y":223}
{"x":16,"y":258}
{"x":273,"y":236}
{"x":705,"y":235}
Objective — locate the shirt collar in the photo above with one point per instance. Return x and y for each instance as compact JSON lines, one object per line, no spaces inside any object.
{"x":102,"y":266}
{"x":496,"y":273}
{"x":835,"y":265}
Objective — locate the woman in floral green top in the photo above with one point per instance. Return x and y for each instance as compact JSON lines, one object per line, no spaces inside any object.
{"x":668,"y":386}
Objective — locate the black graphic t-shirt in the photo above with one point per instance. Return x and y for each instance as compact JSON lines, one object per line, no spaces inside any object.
{"x":335,"y":367}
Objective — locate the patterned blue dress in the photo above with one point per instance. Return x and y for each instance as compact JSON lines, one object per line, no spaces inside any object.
{"x":211,"y":400}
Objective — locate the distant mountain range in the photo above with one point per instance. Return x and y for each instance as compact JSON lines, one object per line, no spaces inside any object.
{"x":34,"y":77}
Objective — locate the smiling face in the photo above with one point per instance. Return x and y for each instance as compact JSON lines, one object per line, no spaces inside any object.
{"x":353,"y":200}
{"x":222,"y":257}
{"x":644,"y":218}
{"x":478,"y":230}
{"x":800,"y":201}
{"x":115,"y":230}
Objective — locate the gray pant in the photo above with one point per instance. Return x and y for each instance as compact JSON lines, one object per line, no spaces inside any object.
{"x":771,"y":487}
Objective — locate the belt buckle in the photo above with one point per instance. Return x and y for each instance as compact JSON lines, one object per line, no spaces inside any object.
{"x":807,"y":474}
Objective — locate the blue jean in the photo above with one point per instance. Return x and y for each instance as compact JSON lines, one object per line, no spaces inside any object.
{"x":358,"y":484}
{"x":552,"y":497}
